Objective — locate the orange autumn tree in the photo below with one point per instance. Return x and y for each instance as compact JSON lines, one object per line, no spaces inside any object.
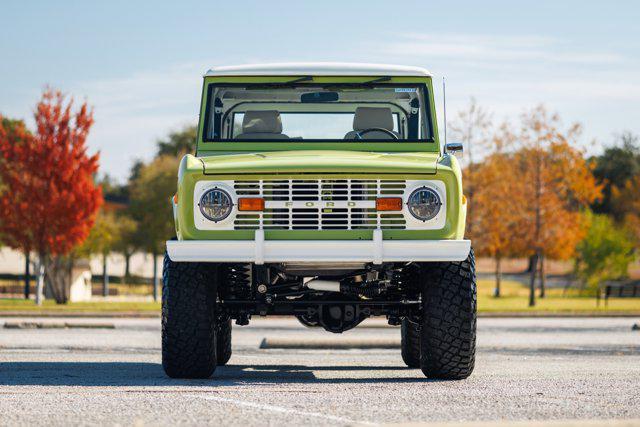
{"x":497,"y":202}
{"x":472,"y":127}
{"x":557,"y":183}
{"x":49,"y":198}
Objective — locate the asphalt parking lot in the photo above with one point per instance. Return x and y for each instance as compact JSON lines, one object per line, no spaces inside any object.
{"x":542,"y":369}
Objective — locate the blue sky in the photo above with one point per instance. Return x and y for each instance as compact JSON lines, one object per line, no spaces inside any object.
{"x":140,"y":63}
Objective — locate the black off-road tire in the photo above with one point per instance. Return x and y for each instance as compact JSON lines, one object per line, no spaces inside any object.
{"x":188,"y":319}
{"x":410,"y":343}
{"x":223,"y":339}
{"x":448,"y":333}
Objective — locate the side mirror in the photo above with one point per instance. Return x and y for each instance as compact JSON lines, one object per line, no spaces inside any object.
{"x":453,"y":147}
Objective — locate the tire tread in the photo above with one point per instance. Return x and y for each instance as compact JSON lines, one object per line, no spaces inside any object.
{"x":448,"y":333}
{"x":188,"y":319}
{"x":410,"y":343}
{"x":223,"y":339}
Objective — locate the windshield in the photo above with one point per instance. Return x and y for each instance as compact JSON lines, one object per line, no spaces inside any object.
{"x":312,"y":112}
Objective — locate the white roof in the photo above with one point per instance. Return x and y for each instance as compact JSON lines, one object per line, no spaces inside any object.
{"x":318,"y":69}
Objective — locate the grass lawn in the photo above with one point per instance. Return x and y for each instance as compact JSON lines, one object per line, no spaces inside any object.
{"x":10,"y":304}
{"x":515,"y":298}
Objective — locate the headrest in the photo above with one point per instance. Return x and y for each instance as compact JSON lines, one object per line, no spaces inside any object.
{"x":261,"y":122}
{"x":372,"y":117}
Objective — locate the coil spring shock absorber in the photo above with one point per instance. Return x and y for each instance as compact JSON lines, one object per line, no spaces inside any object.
{"x":238,"y":281}
{"x":399,"y":278}
{"x":404,"y":286}
{"x":370,"y":290}
{"x":403,"y":279}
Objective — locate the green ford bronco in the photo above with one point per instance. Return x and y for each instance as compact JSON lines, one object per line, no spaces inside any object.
{"x":319,"y":191}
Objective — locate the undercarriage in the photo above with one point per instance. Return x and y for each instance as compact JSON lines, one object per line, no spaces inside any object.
{"x":334,"y":297}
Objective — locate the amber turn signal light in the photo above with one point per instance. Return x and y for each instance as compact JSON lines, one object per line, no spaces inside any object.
{"x":250,"y":204}
{"x":175,"y":198}
{"x":389,"y":204}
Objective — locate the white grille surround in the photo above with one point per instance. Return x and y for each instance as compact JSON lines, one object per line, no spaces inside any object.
{"x":320,"y":204}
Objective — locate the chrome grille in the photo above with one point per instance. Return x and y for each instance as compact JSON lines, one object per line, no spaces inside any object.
{"x":301,"y":204}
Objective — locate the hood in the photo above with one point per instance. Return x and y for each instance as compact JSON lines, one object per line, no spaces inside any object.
{"x":321,"y":161}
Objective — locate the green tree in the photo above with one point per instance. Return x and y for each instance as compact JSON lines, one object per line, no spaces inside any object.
{"x":605,"y":253}
{"x":625,"y":202}
{"x":618,"y":169}
{"x":127,"y":239}
{"x":112,"y":190}
{"x":101,"y":241}
{"x":614,"y":168}
{"x":178,"y":142}
{"x":150,"y":207}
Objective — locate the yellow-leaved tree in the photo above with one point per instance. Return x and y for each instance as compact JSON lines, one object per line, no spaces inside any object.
{"x":472,"y":127}
{"x":556,"y":184}
{"x":496,"y":202}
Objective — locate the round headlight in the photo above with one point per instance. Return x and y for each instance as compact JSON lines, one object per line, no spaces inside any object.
{"x":215,"y":205}
{"x":424,"y":204}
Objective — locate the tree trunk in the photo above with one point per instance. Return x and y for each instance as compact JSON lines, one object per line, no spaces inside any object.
{"x":538,"y":228}
{"x":532,"y":281}
{"x":542,"y":277}
{"x":155,"y":277}
{"x":58,"y":277}
{"x":105,"y":277}
{"x":529,"y":265}
{"x":127,"y":261}
{"x":496,"y":291}
{"x":27,"y":276}
{"x":40,"y":280}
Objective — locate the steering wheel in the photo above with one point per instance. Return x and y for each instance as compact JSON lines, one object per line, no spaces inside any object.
{"x":361,"y":133}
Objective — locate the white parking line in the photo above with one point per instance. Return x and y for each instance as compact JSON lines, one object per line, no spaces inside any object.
{"x":283,"y":410}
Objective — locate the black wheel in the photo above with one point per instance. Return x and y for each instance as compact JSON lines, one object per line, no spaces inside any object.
{"x":410,"y":343}
{"x":188,"y":319}
{"x":448,"y":333}
{"x":223,"y":338}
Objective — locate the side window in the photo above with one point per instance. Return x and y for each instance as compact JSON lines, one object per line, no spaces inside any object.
{"x":397,"y":125}
{"x":236,"y":128}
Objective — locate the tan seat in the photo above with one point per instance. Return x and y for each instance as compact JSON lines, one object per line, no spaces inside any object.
{"x":262,"y":125}
{"x":372,"y":117}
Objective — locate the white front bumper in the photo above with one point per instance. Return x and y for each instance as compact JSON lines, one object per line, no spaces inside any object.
{"x":260,"y":251}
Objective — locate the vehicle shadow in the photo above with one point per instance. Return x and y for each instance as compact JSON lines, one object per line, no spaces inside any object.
{"x":152,"y":374}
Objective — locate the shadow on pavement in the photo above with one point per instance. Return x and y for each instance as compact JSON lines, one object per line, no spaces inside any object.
{"x":151,"y":374}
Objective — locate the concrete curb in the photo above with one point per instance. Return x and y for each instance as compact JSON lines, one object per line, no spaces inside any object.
{"x":330,"y":344}
{"x":156,"y":314}
{"x":591,"y":314}
{"x":99,"y":314}
{"x":58,"y":325}
{"x":510,"y":423}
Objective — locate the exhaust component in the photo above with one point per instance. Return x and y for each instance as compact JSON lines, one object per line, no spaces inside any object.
{"x":369,"y":290}
{"x":324,"y":285}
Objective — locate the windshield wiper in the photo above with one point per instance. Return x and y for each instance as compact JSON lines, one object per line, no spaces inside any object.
{"x":298,"y":80}
{"x":368,"y":83}
{"x":289,"y":83}
{"x":378,"y":80}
